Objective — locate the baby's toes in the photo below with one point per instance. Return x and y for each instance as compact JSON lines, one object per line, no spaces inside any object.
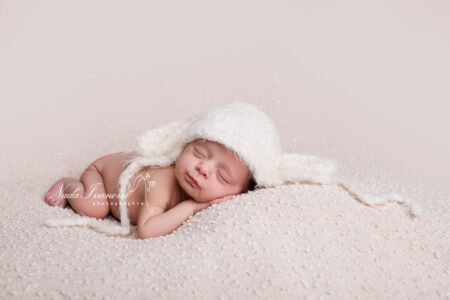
{"x":54,"y":196}
{"x":54,"y":199}
{"x":51,"y":199}
{"x":48,"y":198}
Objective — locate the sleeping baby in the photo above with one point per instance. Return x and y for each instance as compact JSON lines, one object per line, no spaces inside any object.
{"x":160,"y":199}
{"x":185,"y":166}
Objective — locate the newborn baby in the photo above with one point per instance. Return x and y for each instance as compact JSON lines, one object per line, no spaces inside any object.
{"x":184,"y":166}
{"x":159,"y":199}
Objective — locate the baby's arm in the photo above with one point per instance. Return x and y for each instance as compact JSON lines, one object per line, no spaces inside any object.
{"x":153,"y":220}
{"x":161,"y":223}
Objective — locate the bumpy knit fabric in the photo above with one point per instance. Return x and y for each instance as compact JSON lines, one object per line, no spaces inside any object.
{"x":246,"y":130}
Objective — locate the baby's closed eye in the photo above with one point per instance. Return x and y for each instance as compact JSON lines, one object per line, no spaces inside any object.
{"x":222,"y":178}
{"x":198,"y":152}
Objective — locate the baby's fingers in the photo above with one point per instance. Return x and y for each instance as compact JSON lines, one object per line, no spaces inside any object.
{"x":223,"y":199}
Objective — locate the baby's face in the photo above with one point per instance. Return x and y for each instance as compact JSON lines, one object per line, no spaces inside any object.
{"x":206,"y":171}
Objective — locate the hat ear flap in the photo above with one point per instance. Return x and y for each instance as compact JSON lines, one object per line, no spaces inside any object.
{"x":163,"y":143}
{"x":296,"y":167}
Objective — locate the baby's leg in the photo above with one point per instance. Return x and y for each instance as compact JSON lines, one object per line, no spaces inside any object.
{"x":86,"y":196}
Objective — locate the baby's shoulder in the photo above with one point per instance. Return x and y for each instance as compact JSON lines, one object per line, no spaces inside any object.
{"x":163,"y":185}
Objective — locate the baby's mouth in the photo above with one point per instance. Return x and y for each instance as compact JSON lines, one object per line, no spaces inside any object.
{"x":191,"y":180}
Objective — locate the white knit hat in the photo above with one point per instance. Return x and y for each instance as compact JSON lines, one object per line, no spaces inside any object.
{"x":246,"y":130}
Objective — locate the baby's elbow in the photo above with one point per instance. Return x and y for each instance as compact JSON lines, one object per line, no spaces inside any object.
{"x":146,"y":232}
{"x":143,"y":234}
{"x":143,"y":237}
{"x":142,"y":231}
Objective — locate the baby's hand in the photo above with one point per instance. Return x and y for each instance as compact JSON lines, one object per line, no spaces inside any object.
{"x":223,"y":199}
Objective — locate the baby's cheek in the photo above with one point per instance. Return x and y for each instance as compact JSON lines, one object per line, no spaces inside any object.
{"x":222,"y":194}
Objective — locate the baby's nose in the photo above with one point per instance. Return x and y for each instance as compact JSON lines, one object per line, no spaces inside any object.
{"x":204,"y":169}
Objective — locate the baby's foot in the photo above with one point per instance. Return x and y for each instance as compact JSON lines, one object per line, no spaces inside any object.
{"x":55,"y":195}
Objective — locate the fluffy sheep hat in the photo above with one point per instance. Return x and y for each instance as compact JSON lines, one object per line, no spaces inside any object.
{"x":242,"y":128}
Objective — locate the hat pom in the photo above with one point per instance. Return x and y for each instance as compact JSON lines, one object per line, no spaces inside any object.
{"x":296,"y":167}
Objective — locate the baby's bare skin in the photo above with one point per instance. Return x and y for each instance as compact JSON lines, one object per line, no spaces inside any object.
{"x":159,"y":199}
{"x":98,"y":202}
{"x":113,"y":166}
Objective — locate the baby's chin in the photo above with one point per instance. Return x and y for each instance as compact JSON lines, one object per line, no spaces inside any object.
{"x":185,"y":193}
